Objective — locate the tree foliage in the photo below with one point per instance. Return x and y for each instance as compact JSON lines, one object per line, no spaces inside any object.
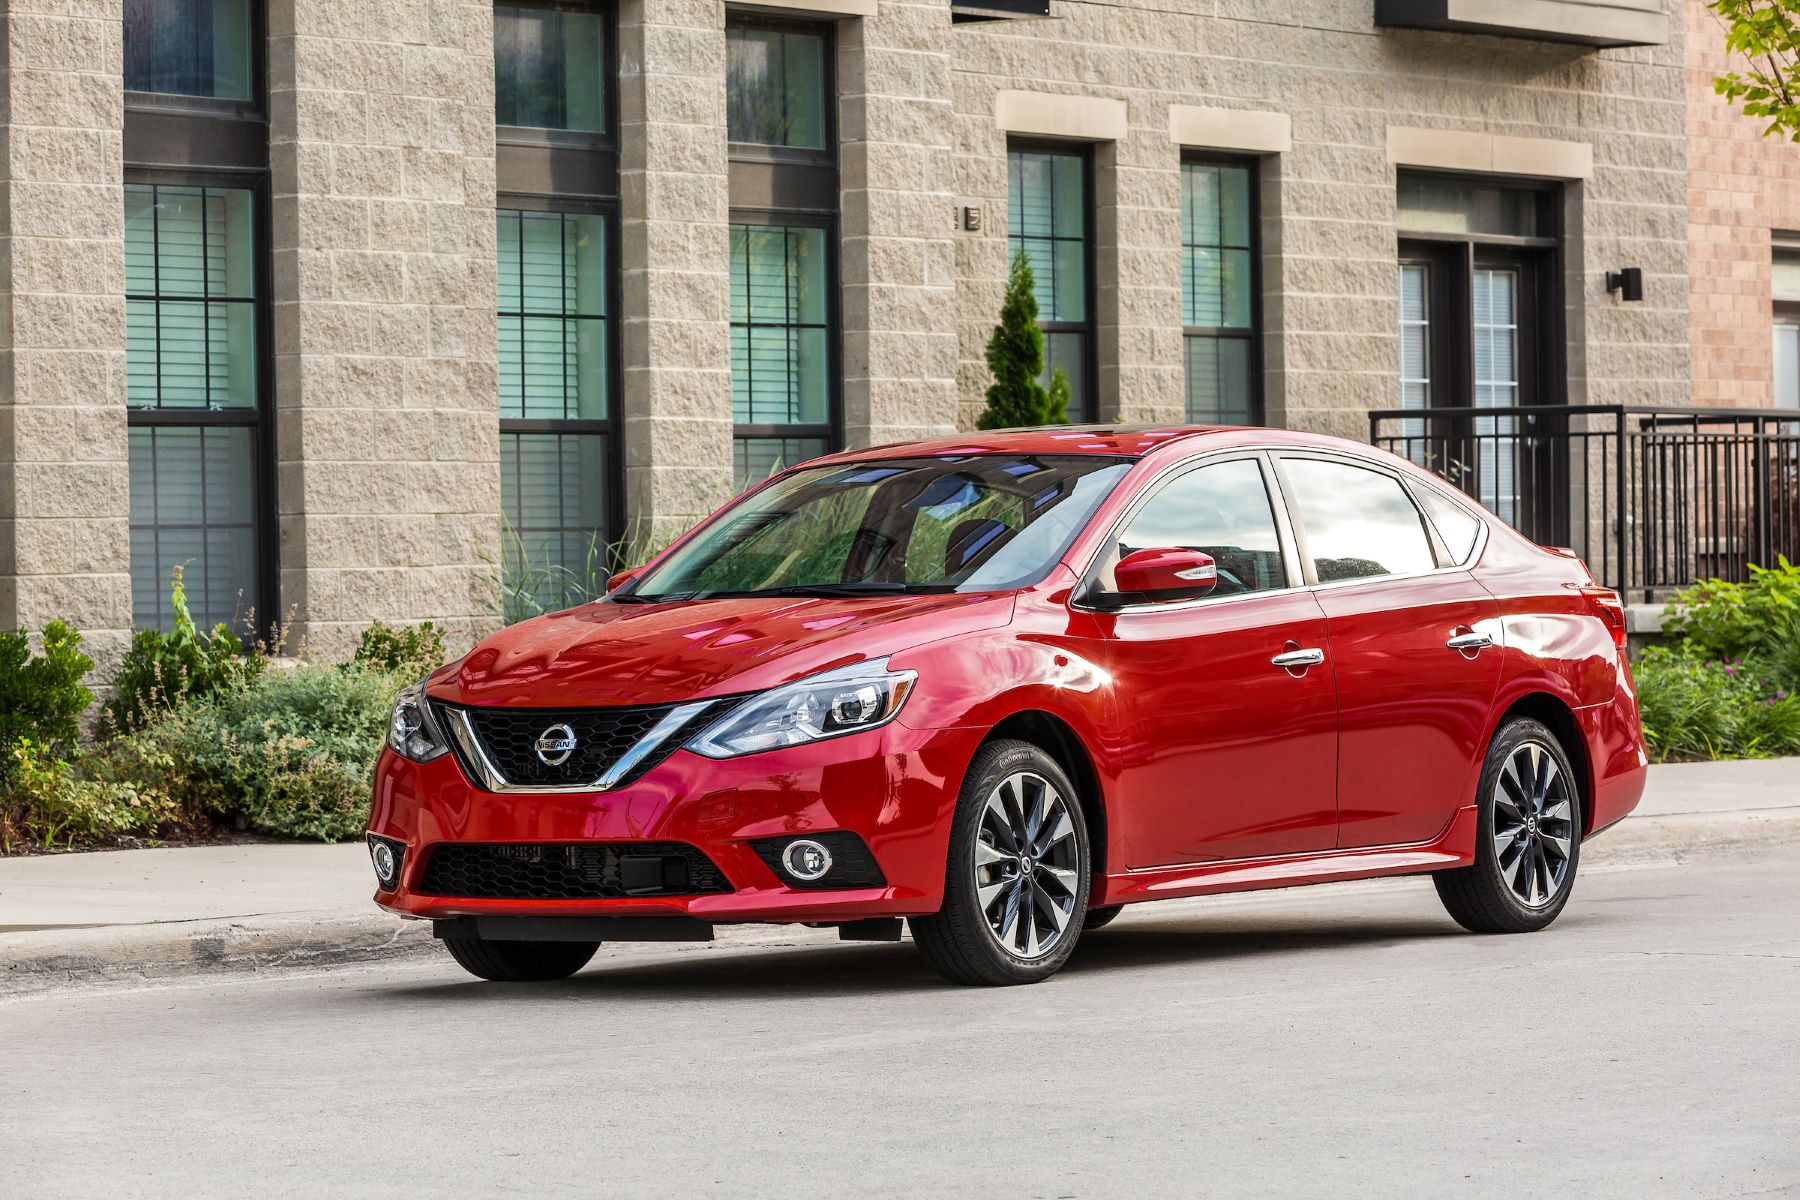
{"x":1766,"y":34}
{"x":1015,"y":356}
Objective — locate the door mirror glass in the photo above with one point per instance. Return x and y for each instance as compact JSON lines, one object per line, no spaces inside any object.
{"x":1164,"y":573}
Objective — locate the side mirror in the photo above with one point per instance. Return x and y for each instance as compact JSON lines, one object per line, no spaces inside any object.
{"x":1164,"y":573}
{"x":615,"y":582}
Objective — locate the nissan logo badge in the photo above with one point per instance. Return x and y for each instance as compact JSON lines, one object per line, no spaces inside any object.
{"x":555,"y":744}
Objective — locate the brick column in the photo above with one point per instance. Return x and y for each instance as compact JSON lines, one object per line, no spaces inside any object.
{"x":675,"y":342}
{"x":1137,"y":286}
{"x":65,"y":501}
{"x":382,"y":154}
{"x":898,"y":254}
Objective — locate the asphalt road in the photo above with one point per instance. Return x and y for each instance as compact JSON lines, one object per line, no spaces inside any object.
{"x":1336,"y":1041}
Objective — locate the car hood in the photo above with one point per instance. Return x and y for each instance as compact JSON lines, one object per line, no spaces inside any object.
{"x":607,"y":654}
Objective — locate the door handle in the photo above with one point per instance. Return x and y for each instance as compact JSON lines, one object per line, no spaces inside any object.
{"x":1297,"y":660}
{"x":1474,"y":642}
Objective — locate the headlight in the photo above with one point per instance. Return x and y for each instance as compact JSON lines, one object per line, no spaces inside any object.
{"x":848,"y":700}
{"x":412,"y":731}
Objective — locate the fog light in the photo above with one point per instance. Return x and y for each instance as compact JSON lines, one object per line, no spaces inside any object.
{"x":387,"y":866}
{"x":806,"y":860}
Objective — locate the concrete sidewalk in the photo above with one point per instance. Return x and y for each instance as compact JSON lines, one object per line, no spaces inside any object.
{"x":146,"y":914}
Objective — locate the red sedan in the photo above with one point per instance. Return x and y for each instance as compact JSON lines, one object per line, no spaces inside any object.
{"x":1002,"y":685}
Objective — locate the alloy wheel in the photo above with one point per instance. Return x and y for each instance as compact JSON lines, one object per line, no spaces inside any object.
{"x":1534,"y":825}
{"x":1027,"y":865}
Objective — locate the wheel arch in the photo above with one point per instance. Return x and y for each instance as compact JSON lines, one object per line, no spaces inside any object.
{"x":1554,"y":714}
{"x":1055,"y":737}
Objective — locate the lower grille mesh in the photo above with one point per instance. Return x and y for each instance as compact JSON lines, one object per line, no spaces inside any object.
{"x":570,"y":871}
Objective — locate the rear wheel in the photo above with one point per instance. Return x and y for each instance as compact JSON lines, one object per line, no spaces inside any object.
{"x":520,"y":962}
{"x":1529,"y":839}
{"x":1016,"y":884}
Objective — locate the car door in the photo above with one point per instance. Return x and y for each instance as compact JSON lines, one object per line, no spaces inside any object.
{"x":1224,"y":754}
{"x":1412,"y":649}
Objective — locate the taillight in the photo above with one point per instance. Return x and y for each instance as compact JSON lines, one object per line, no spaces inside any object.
{"x":1609,"y":608}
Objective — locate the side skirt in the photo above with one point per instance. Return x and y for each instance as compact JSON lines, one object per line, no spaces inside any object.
{"x":1454,"y":847}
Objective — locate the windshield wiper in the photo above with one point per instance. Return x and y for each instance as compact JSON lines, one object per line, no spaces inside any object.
{"x":793,"y":589}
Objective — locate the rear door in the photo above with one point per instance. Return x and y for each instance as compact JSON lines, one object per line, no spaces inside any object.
{"x":1413,"y":648}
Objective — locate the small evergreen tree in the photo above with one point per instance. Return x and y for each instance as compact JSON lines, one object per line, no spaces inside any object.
{"x":1015,"y":355}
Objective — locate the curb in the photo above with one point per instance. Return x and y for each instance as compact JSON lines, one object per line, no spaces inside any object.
{"x":44,"y":960}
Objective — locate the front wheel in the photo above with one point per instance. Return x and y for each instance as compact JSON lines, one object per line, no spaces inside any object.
{"x":520,"y":962}
{"x":1016,"y":884}
{"x":1528,"y":841}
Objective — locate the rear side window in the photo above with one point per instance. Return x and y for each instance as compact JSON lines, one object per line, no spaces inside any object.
{"x":1455,"y":524}
{"x":1358,"y":523}
{"x":1222,"y":510}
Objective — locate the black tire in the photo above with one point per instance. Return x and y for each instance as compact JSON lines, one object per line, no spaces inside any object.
{"x":1484,"y":897}
{"x":520,"y":962}
{"x":1100,"y":918}
{"x":959,"y":939}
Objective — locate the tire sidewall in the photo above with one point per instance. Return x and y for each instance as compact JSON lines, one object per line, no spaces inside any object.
{"x":989,"y":767}
{"x":1507,"y":740}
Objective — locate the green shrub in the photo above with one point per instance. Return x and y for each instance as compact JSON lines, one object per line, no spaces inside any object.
{"x":160,"y":670}
{"x":410,"y":650}
{"x":42,"y":696}
{"x":44,"y":799}
{"x":1758,"y":619}
{"x":292,"y":754}
{"x":1698,"y":708}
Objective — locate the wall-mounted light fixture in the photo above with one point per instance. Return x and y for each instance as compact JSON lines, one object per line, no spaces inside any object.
{"x":1629,"y":283}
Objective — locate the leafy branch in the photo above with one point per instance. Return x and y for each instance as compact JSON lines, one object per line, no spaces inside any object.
{"x":1766,"y":33}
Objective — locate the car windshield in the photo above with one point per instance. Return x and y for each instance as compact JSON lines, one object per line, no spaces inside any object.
{"x":968,"y":523}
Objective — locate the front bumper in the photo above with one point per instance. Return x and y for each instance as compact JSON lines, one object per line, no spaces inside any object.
{"x":895,"y":787}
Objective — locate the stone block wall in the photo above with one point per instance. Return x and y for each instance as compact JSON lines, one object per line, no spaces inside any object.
{"x":1330,"y":289}
{"x":387,"y":410}
{"x":1742,"y":186}
{"x":64,"y":480}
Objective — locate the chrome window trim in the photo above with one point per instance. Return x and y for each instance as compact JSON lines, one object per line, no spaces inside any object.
{"x":1284,"y":526}
{"x":1430,"y":530}
{"x":489,"y":778}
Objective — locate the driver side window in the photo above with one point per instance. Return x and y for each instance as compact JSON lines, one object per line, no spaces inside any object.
{"x":1222,"y":510}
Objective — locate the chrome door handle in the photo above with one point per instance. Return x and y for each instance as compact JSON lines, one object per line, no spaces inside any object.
{"x":1469,"y":641}
{"x":1293,"y":659}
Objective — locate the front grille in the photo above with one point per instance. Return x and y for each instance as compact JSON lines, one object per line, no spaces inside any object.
{"x":569,"y":871}
{"x":508,"y":736}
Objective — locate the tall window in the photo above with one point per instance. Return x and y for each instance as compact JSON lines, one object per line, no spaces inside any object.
{"x":554,"y":276}
{"x":1047,"y":219}
{"x":1787,"y":325}
{"x":1218,"y":284}
{"x":196,"y":48}
{"x":195,"y":265}
{"x":1479,"y":324}
{"x":784,"y":374}
{"x":554,"y":380}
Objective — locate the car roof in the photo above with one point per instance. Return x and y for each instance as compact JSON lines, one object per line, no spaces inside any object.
{"x":1127,"y":441}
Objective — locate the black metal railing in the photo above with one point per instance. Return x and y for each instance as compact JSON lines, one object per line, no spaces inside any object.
{"x":1651,"y":498}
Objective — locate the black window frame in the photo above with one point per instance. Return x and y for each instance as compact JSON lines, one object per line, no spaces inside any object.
{"x":1452,"y":259}
{"x":1254,"y":335}
{"x":194,"y":141}
{"x":575,"y":172}
{"x":1088,"y":328}
{"x":795,"y":187}
{"x":177,"y":104}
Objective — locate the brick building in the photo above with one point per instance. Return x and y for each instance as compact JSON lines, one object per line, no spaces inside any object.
{"x":318,"y":297}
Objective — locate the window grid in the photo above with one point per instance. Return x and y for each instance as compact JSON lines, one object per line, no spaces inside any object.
{"x":1047,"y":220}
{"x":1218,"y":224}
{"x":781,"y":360}
{"x":193,"y":394}
{"x":554,"y":428}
